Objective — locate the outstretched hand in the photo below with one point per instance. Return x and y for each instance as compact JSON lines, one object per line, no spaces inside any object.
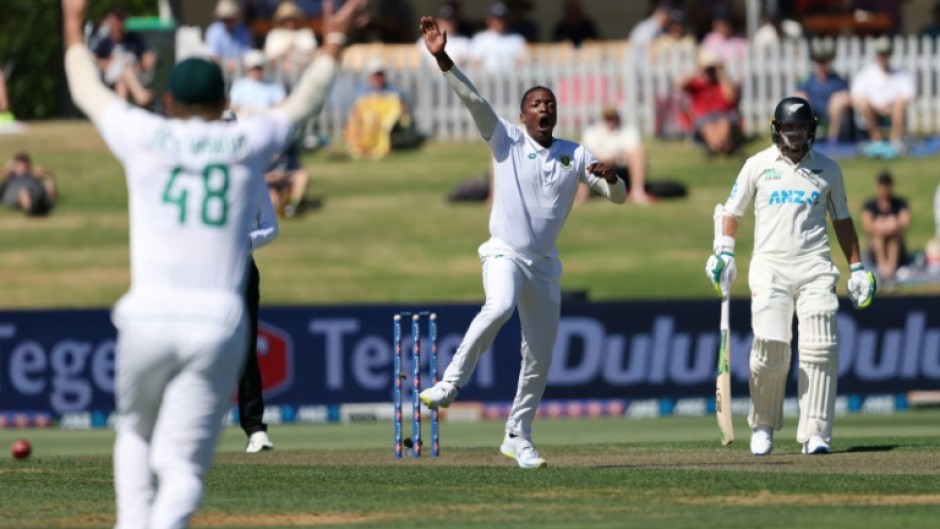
{"x":434,"y":38}
{"x":604,"y":171}
{"x":351,"y":16}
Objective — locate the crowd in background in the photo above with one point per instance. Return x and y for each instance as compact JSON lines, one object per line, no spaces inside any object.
{"x":264,"y":44}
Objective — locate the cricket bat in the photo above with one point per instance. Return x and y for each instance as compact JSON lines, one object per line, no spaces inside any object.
{"x":723,"y":380}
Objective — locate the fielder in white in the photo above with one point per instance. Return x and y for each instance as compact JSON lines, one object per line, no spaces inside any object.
{"x":535,"y":180}
{"x":793,"y":189}
{"x":193,"y":183}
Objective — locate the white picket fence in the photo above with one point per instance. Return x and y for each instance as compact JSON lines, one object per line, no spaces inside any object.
{"x":615,"y":73}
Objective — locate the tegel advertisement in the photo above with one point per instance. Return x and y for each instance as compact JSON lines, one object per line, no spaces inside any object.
{"x":60,"y":361}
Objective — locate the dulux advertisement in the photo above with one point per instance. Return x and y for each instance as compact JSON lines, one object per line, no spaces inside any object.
{"x":60,"y":361}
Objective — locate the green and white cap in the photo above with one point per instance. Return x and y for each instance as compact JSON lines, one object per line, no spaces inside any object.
{"x":197,"y":81}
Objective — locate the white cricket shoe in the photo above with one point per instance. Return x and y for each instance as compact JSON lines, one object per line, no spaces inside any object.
{"x":259,"y":441}
{"x":439,"y":395}
{"x":762,"y":441}
{"x":522,"y":450}
{"x":815,"y":445}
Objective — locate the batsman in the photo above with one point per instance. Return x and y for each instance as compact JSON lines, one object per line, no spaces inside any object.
{"x":793,"y":188}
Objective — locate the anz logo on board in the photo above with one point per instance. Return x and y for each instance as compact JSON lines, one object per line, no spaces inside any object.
{"x":795,"y":196}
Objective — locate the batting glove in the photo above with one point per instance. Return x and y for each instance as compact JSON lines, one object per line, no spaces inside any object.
{"x":721,"y":270}
{"x":862,"y":286}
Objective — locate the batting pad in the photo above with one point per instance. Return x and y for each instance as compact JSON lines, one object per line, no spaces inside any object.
{"x":770,"y":362}
{"x":819,"y":369}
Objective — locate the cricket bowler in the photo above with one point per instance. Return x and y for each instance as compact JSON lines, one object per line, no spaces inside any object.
{"x":535,"y":180}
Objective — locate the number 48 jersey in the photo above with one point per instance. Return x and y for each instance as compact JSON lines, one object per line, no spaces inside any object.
{"x":194,"y":187}
{"x":790,"y":202}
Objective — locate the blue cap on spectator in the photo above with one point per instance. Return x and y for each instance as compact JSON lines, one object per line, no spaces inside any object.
{"x":499,"y":9}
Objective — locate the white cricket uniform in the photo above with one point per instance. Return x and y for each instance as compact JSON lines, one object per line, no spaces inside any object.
{"x":534,"y":190}
{"x":792,"y":269}
{"x":791,"y":246}
{"x":194,"y":189}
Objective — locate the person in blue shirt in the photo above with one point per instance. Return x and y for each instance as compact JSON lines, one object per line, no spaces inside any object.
{"x":228,"y":38}
{"x":827,"y":92}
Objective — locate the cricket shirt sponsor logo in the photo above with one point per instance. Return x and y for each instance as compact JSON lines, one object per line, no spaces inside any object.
{"x":566,"y":161}
{"x":794,"y":196}
{"x":770,"y":174}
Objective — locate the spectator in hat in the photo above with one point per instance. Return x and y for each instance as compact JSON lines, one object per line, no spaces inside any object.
{"x":228,"y":38}
{"x":827,"y":91}
{"x":619,"y":146}
{"x":495,"y":48}
{"x":125,"y":62}
{"x":776,"y":29}
{"x":289,"y":46}
{"x":574,"y":27}
{"x":26,"y":188}
{"x":714,"y":99}
{"x":379,"y":116}
{"x":458,"y":44}
{"x":880,"y":92}
{"x":251,"y":95}
{"x":885,"y":219}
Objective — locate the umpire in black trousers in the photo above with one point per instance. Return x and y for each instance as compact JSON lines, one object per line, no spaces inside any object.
{"x":250,"y":398}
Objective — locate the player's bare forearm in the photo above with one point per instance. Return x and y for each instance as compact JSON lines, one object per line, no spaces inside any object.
{"x":73,"y":14}
{"x":848,"y":239}
{"x":729,"y":226}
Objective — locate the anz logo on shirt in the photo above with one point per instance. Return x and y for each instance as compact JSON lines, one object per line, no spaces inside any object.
{"x":796,"y":196}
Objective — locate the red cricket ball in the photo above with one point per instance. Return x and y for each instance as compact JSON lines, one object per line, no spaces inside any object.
{"x":21,"y":448}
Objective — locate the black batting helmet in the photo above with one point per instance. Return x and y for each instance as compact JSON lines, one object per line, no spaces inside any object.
{"x":796,"y":140}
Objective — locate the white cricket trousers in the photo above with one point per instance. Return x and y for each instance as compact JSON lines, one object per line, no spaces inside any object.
{"x":174,"y":382}
{"x":778,"y":287}
{"x":532,"y":285}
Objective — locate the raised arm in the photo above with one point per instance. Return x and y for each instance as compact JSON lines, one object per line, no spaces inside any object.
{"x":307,"y":98}
{"x":88,"y":92}
{"x":483,"y":114}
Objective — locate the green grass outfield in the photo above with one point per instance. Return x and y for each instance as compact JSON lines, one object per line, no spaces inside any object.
{"x":615,"y":473}
{"x":387,"y":235}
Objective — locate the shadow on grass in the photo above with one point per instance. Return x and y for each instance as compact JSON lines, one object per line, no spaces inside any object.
{"x":869,"y":448}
